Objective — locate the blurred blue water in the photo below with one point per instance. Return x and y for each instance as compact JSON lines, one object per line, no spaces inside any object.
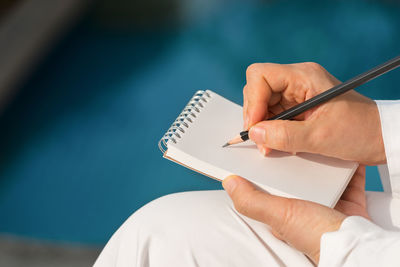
{"x":79,"y":145}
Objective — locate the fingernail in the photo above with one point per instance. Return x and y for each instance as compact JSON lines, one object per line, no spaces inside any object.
{"x":229,"y":183}
{"x":262,"y":150}
{"x":257,"y":134}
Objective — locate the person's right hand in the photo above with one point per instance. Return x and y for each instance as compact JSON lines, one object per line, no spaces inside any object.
{"x":346,"y":127}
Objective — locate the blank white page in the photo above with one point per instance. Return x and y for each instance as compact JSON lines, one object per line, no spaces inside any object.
{"x":304,"y":176}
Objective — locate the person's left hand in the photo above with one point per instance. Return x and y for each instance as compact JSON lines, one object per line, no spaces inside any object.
{"x":299,"y":223}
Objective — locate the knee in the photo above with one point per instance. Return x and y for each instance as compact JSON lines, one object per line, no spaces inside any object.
{"x":174,"y":215}
{"x":167,"y":227}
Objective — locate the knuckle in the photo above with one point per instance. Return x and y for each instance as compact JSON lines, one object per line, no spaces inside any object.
{"x":314,"y":66}
{"x":255,"y":67}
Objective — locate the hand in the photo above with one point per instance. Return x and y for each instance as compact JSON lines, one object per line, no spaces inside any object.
{"x":347,"y":127}
{"x":299,"y":223}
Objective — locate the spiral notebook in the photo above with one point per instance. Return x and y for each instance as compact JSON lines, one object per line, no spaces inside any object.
{"x":195,"y":141}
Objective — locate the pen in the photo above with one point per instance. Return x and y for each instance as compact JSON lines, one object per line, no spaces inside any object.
{"x":325,"y":96}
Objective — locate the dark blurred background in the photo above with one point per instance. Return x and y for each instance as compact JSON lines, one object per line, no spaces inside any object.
{"x":87,"y":88}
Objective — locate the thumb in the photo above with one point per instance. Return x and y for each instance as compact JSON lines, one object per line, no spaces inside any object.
{"x":300,"y":223}
{"x":254,"y":203}
{"x":283,"y":135}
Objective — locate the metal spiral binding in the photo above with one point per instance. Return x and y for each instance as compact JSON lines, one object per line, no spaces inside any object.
{"x":187,"y":115}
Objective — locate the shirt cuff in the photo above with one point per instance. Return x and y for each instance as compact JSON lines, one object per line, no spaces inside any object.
{"x":359,"y":242}
{"x":389,"y":112}
{"x":337,"y":246}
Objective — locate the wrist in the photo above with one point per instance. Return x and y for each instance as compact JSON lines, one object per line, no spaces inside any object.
{"x":380,"y":154}
{"x":331,"y":227}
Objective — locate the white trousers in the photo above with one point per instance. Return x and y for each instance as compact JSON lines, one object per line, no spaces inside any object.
{"x":203,"y":229}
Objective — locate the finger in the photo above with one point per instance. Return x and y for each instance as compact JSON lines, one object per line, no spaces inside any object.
{"x":270,"y":114}
{"x":263,"y":149}
{"x":276,"y":109}
{"x":275,"y":98}
{"x":351,"y":209}
{"x":354,"y":197}
{"x":289,"y":136}
{"x":259,"y":92}
{"x":358,"y":179}
{"x":355,"y":191}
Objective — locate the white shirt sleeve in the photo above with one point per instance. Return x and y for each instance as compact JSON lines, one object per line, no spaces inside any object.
{"x":389,"y":112}
{"x":360,"y":242}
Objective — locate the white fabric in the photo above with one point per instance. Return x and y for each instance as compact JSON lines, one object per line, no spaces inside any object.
{"x":385,"y":178}
{"x":359,"y":242}
{"x":390,"y":122}
{"x":196,"y":229}
{"x":203,"y":229}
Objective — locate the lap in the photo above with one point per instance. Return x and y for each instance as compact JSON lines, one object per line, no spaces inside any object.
{"x":203,"y":229}
{"x":196,"y":229}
